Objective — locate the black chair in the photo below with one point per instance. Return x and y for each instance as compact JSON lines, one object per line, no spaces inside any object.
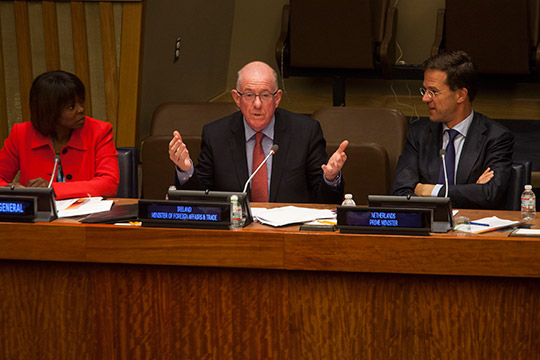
{"x":337,"y":39}
{"x":129,"y":179}
{"x":501,"y":36}
{"x":519,"y":177}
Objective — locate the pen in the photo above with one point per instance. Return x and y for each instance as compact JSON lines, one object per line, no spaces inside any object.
{"x":326,"y":222}
{"x":477,"y":223}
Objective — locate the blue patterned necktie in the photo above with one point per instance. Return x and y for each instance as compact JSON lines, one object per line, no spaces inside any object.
{"x":450,"y":158}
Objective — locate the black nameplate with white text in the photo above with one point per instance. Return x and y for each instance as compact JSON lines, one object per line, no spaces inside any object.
{"x":190,"y":214}
{"x":18,"y":208}
{"x":46,"y":204}
{"x":369,"y":220}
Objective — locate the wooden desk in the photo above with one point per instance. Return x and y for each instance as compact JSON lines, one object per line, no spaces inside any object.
{"x":103,"y":291}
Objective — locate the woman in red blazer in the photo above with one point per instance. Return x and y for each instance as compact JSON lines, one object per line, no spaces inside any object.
{"x":88,"y":163}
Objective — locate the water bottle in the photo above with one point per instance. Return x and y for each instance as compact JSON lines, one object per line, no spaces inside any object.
{"x":348,"y":201}
{"x":236,"y":213}
{"x":528,"y":203}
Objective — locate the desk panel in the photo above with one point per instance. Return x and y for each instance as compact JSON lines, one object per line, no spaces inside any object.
{"x":438,"y":254}
{"x":337,"y":315}
{"x":61,"y":242}
{"x":121,"y":292}
{"x":119,"y":311}
{"x":193,"y":247}
{"x":103,"y":311}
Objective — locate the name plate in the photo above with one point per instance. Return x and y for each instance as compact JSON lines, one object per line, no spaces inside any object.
{"x":18,"y":208}
{"x":371,"y":220}
{"x":186,"y":214}
{"x":46,"y":204}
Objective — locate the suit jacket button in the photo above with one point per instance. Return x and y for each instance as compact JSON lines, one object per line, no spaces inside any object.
{"x":69,"y":177}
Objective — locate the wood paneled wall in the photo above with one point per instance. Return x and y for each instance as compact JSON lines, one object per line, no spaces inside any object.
{"x":99,"y":41}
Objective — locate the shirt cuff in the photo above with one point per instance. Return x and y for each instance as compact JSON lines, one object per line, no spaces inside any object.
{"x":184,"y":176}
{"x":335,"y":183}
{"x":436,"y":189}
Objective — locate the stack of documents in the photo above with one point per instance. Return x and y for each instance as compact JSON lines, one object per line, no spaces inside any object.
{"x":490,"y":223}
{"x":288,"y":215}
{"x":82,"y":206}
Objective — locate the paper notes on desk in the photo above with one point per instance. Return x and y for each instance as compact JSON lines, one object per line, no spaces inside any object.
{"x":82,"y":206}
{"x":288,"y":215}
{"x":526,"y":232}
{"x":490,"y":223}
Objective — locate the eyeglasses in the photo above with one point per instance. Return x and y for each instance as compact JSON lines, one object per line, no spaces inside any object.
{"x":265,"y":97}
{"x":430,"y":93}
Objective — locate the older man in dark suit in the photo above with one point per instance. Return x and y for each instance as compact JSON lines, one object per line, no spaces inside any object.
{"x":233,"y":147}
{"x":478,"y":150}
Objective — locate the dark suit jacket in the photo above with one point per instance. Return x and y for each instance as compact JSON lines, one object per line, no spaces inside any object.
{"x":488,"y":144}
{"x":296,"y":176}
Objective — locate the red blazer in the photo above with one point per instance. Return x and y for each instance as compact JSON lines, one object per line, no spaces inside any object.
{"x":89,"y":160}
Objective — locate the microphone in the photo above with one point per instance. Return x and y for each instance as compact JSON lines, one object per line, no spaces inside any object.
{"x":56,"y":161}
{"x":273,"y":150}
{"x":442,"y":153}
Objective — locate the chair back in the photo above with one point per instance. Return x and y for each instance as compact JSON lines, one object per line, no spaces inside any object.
{"x":158,"y":170}
{"x":322,"y":34}
{"x":386,"y":127}
{"x":519,"y":177}
{"x":128,"y":186}
{"x":188,"y":117}
{"x":339,"y":38}
{"x":366,"y":171}
{"x":505,"y":33}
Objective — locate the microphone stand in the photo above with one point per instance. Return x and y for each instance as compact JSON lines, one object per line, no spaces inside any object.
{"x":442,"y":152}
{"x":274,"y":149}
{"x":56,"y":161}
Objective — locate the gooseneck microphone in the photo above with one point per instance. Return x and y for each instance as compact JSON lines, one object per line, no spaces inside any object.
{"x":442,"y":153}
{"x":56,"y":161}
{"x":273,"y":150}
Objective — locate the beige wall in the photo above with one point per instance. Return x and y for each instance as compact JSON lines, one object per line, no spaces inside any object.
{"x":201,"y":72}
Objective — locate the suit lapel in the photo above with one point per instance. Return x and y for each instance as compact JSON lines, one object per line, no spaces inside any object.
{"x":474,"y":143}
{"x":433,"y":147}
{"x":281,"y":138}
{"x":237,"y":146}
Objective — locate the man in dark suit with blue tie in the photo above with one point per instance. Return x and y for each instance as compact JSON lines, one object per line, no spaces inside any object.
{"x":232,"y":148}
{"x":478,"y":149}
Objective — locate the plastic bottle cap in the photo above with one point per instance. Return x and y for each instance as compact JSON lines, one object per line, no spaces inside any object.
{"x":234,"y":198}
{"x":348,"y":196}
{"x":528,"y":187}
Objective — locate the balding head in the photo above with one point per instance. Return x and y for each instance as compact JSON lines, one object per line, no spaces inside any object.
{"x":257,"y":94}
{"x":256,"y":70}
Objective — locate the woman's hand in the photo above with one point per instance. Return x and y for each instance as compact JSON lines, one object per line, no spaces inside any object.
{"x":39,"y":182}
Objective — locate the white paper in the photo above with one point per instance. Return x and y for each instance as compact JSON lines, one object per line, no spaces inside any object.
{"x":257,"y":210}
{"x":82,"y":206}
{"x":527,"y":232}
{"x":288,"y":215}
{"x":492,"y":223}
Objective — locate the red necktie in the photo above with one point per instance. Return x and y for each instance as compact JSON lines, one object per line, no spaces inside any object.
{"x":259,"y":184}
